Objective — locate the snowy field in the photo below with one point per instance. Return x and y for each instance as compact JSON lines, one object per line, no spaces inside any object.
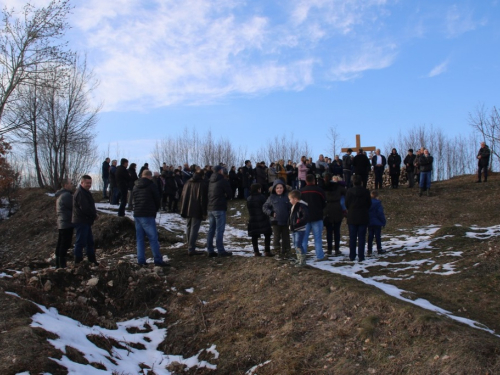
{"x":417,"y":240}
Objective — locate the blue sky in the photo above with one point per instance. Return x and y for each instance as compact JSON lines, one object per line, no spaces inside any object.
{"x":251,"y":70}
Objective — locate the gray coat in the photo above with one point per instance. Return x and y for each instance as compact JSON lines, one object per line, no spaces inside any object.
{"x":64,"y":208}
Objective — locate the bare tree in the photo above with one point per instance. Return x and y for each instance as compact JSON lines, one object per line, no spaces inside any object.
{"x":57,"y":122}
{"x":30,"y":48}
{"x":335,"y":139}
{"x":488,"y":126}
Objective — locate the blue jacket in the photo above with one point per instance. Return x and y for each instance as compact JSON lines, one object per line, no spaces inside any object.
{"x":376,"y":212}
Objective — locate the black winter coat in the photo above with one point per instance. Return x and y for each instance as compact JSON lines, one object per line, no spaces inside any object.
{"x":425,"y":163}
{"x":394,"y":162}
{"x":358,"y":202}
{"x":64,"y":208}
{"x":219,"y":191}
{"x":333,"y":211}
{"x":361,"y":164}
{"x":122,"y":177}
{"x":409,"y":162}
{"x":84,"y":211}
{"x":105,"y":169}
{"x":133,"y":178}
{"x":170,"y":186}
{"x":315,"y":198}
{"x":299,"y":217}
{"x":146,"y":198}
{"x":258,"y":222}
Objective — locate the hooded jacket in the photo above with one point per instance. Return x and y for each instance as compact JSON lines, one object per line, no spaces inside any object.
{"x":64,"y":208}
{"x":278,"y":204}
{"x":146,"y":198}
{"x":358,"y":202}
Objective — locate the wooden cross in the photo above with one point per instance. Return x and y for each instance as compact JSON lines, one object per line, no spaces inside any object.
{"x":358,"y":146}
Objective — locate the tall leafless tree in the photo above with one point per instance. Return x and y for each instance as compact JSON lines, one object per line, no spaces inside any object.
{"x":30,"y":47}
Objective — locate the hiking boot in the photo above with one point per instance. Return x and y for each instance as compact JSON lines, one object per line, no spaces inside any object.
{"x":369,"y":252}
{"x":257,"y":253}
{"x":337,"y":253}
{"x":381,"y":251}
{"x":62,"y":262}
{"x":225,"y":253}
{"x":212,"y":254}
{"x":302,"y":260}
{"x":78,"y":260}
{"x":58,"y":262}
{"x":324,"y":259}
{"x":329,"y":252}
{"x":428,"y":192}
{"x":268,"y":254}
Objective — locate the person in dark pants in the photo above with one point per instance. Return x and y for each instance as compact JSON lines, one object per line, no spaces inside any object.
{"x":333,"y":213}
{"x":194,"y":202}
{"x":378,"y":163}
{"x":409,"y":163}
{"x":83,"y":217}
{"x":105,"y":178}
{"x":358,"y":203}
{"x":377,"y":221}
{"x":258,"y":222}
{"x":394,"y":162}
{"x":483,"y":161}
{"x":64,"y":209}
{"x":361,"y":165}
{"x":122,"y":181}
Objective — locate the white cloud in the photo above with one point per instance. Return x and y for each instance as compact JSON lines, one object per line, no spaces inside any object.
{"x":439,"y":69}
{"x":368,"y":57}
{"x":158,"y":53}
{"x":458,"y":21}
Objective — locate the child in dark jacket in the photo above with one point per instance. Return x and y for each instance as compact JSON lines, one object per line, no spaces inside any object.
{"x":277,"y":207}
{"x":377,"y":221}
{"x":258,"y":223}
{"x":299,"y":217}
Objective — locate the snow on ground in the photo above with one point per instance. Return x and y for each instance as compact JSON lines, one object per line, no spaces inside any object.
{"x":124,"y":358}
{"x":418,"y":240}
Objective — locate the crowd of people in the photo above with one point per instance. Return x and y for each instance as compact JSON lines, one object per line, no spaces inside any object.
{"x":283,"y":201}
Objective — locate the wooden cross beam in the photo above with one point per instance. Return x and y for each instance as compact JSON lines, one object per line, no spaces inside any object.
{"x":358,"y":146}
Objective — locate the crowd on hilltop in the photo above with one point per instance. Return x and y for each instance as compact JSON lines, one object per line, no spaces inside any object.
{"x":283,"y":201}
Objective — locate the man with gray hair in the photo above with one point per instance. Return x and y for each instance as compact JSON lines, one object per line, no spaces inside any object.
{"x":64,"y":209}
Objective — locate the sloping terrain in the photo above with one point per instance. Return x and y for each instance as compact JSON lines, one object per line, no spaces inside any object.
{"x":263,"y":316}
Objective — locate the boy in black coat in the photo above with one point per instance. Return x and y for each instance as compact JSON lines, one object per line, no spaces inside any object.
{"x":299,"y":217}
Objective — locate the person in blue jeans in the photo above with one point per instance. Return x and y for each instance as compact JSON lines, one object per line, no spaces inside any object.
{"x":358,"y":203}
{"x":315,"y":198}
{"x":425,"y":162}
{"x":297,"y":223}
{"x":146,"y":198}
{"x":219,"y":191}
{"x":377,"y":221}
{"x":83,"y":216}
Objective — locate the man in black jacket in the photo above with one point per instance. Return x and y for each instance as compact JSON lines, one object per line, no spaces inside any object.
{"x":122,"y":181}
{"x":361,"y":165}
{"x":219,"y":191}
{"x":357,"y":202}
{"x":146,"y":204}
{"x":64,"y":208}
{"x":410,"y":167}
{"x":84,"y":215}
{"x":483,"y":161}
